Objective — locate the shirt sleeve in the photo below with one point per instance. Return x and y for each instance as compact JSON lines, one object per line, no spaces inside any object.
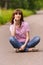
{"x":27,"y":27}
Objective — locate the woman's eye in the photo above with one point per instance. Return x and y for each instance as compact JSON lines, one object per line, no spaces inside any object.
{"x":19,"y":13}
{"x":16,"y":13}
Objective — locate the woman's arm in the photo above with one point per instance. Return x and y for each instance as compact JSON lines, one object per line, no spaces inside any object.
{"x":13,"y":30}
{"x":27,"y":39}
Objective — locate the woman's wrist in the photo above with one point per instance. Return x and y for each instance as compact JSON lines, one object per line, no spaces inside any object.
{"x":25,"y":44}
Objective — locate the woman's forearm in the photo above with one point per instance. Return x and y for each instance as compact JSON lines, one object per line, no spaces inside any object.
{"x":27,"y":38}
{"x":13,"y":32}
{"x":23,"y":46}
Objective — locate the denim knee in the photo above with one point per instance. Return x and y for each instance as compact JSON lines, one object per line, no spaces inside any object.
{"x":11,"y":39}
{"x":37,"y":38}
{"x":14,"y":42}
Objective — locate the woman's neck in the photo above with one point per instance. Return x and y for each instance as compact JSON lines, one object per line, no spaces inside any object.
{"x":18,"y":23}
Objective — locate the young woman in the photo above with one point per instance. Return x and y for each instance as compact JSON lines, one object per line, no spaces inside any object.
{"x":20,"y":33}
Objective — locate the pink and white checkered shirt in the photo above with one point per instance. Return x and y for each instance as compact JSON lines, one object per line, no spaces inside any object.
{"x":21,"y":32}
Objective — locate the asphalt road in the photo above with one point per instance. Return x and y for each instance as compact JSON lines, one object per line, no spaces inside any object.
{"x":7,"y":54}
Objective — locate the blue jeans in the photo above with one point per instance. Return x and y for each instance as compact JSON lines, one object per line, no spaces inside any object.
{"x":16,"y":44}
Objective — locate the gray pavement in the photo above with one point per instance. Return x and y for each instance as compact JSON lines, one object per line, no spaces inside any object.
{"x":7,"y":54}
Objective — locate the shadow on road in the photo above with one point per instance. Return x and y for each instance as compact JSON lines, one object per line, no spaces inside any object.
{"x":28,"y":51}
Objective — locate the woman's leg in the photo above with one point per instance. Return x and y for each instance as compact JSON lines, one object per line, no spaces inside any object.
{"x":14,"y":42}
{"x":33,"y":42}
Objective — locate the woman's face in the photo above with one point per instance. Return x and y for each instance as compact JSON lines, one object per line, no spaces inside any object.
{"x":17,"y":16}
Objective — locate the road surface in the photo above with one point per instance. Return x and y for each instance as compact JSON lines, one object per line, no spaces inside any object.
{"x":7,"y":54}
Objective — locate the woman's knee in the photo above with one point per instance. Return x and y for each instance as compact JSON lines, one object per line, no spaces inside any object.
{"x":37,"y":38}
{"x":11,"y":39}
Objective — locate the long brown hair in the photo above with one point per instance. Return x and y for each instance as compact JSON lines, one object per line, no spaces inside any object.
{"x":17,"y":11}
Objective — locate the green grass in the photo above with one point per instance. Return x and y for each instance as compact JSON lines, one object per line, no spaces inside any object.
{"x":27,"y":12}
{"x":5,"y":15}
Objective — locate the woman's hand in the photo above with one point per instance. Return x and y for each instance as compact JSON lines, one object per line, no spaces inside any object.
{"x":14,"y":22}
{"x":22,"y":47}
